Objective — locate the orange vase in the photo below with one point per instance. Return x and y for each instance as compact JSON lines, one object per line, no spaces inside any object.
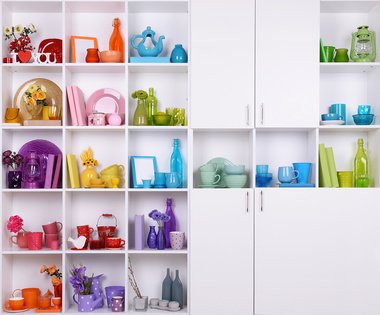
{"x":92,"y":55}
{"x":116,"y":41}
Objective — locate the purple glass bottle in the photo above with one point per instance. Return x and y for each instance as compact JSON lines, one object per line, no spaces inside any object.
{"x":171,"y":225}
{"x":152,"y":238}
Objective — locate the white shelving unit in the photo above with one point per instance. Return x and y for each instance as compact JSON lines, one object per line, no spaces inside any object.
{"x":72,"y":207}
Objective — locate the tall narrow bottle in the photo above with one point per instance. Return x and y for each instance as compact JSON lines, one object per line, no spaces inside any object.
{"x":171,"y":225}
{"x":167,"y":286}
{"x":176,"y":163}
{"x":177,"y":289}
{"x":151,"y":106}
{"x":361,"y":173}
{"x":116,"y":40}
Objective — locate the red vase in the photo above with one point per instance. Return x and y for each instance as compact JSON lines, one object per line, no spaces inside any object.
{"x":92,"y":55}
{"x":58,"y":290}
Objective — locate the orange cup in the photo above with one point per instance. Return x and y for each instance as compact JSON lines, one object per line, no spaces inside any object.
{"x":57,"y":302}
{"x":16,"y":303}
{"x":31,"y":297}
{"x":44,"y":302}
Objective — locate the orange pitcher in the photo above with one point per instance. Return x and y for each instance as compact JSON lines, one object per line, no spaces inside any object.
{"x":116,"y":41}
{"x":30,"y":296}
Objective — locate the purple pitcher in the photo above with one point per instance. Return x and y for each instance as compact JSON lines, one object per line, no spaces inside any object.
{"x":114,"y":290}
{"x":87,"y":303}
{"x":96,"y":289}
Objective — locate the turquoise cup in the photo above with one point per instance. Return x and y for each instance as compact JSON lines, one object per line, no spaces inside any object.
{"x":303,"y":170}
{"x":262,"y":169}
{"x":339,"y":109}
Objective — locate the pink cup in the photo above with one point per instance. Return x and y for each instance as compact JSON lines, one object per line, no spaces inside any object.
{"x":54,"y":245}
{"x":50,"y":238}
{"x":21,"y":239}
{"x":52,"y":228}
{"x":177,"y":239}
{"x":35,"y":240}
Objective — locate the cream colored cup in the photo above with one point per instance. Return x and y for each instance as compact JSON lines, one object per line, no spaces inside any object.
{"x":114,"y":170}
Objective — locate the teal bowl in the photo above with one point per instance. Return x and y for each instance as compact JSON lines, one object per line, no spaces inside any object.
{"x":234,"y":169}
{"x":363,"y":119}
{"x":235,"y":181}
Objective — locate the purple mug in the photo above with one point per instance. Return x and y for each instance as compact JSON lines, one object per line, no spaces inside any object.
{"x":114,"y":290}
{"x":117,"y":304}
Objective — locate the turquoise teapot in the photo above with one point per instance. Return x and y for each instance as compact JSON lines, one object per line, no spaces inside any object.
{"x":148,"y":51}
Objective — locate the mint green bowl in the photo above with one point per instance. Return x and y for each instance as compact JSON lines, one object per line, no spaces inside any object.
{"x":235,"y":181}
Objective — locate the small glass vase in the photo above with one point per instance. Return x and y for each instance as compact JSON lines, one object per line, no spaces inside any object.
{"x":14,"y":179}
{"x":341,"y":55}
{"x":160,"y":238}
{"x":152,"y":238}
{"x":34,"y":110}
{"x":140,"y":118}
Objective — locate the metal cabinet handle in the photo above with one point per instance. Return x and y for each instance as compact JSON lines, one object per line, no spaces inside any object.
{"x":262,"y":113}
{"x":247,"y":202}
{"x":261,"y":201}
{"x":247,"y":114}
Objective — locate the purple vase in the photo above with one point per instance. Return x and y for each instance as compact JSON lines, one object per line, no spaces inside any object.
{"x":152,"y":238}
{"x":86,"y":303}
{"x":139,"y":232}
{"x":14,"y":179}
{"x":160,"y":238}
{"x":171,"y":225}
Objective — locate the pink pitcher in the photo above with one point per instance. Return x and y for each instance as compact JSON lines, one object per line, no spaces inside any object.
{"x":21,"y":239}
{"x":35,"y":240}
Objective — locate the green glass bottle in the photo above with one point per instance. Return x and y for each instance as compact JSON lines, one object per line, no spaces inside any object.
{"x":151,"y":106}
{"x":361,"y":174}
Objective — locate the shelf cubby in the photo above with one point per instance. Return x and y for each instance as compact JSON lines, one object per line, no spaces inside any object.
{"x":233,"y":145}
{"x":159,"y":144}
{"x":145,"y":202}
{"x":86,"y":210}
{"x":284,"y":147}
{"x":93,"y":19}
{"x":23,"y":271}
{"x":35,"y":209}
{"x":150,"y":271}
{"x":112,"y":268}
{"x":171,"y":90}
{"x":345,"y":147}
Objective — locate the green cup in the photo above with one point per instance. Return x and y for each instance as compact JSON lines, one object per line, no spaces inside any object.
{"x":329,"y":51}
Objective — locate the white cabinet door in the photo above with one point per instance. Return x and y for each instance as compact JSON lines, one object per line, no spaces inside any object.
{"x":221,"y":252}
{"x":317,"y":252}
{"x":222,"y":56}
{"x":287,"y":63}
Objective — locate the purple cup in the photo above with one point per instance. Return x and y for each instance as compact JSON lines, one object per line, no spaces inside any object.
{"x":114,"y":290}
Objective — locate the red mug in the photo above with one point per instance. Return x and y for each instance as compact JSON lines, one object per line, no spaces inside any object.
{"x":114,"y":242}
{"x":35,"y":240}
{"x":52,"y":228}
{"x":95,"y":244}
{"x":21,"y":239}
{"x":84,"y":229}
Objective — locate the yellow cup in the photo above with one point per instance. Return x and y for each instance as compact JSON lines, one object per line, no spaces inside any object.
{"x":107,"y":179}
{"x":113,"y":170}
{"x":345,"y":179}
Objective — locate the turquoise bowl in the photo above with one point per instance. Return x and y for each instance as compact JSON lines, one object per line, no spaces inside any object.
{"x":235,"y":181}
{"x":363,"y":119}
{"x":234,"y":169}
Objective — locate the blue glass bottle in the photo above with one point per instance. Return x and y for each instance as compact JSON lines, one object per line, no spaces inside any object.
{"x":171,"y":225}
{"x":176,"y":163}
{"x":167,"y":286}
{"x":177,"y":289}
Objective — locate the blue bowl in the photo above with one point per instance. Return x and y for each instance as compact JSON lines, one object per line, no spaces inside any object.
{"x":331,"y":116}
{"x":363,"y":119}
{"x":263,"y":179}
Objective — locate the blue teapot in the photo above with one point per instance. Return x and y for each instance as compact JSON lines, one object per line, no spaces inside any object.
{"x":146,"y":51}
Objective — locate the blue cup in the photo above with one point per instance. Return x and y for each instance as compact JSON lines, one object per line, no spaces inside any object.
{"x":159,"y":180}
{"x":303,"y":172}
{"x":172,"y":180}
{"x":339,"y":109}
{"x":364,"y":109}
{"x":262,"y":169}
{"x":286,"y":174}
{"x":147,"y":183}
